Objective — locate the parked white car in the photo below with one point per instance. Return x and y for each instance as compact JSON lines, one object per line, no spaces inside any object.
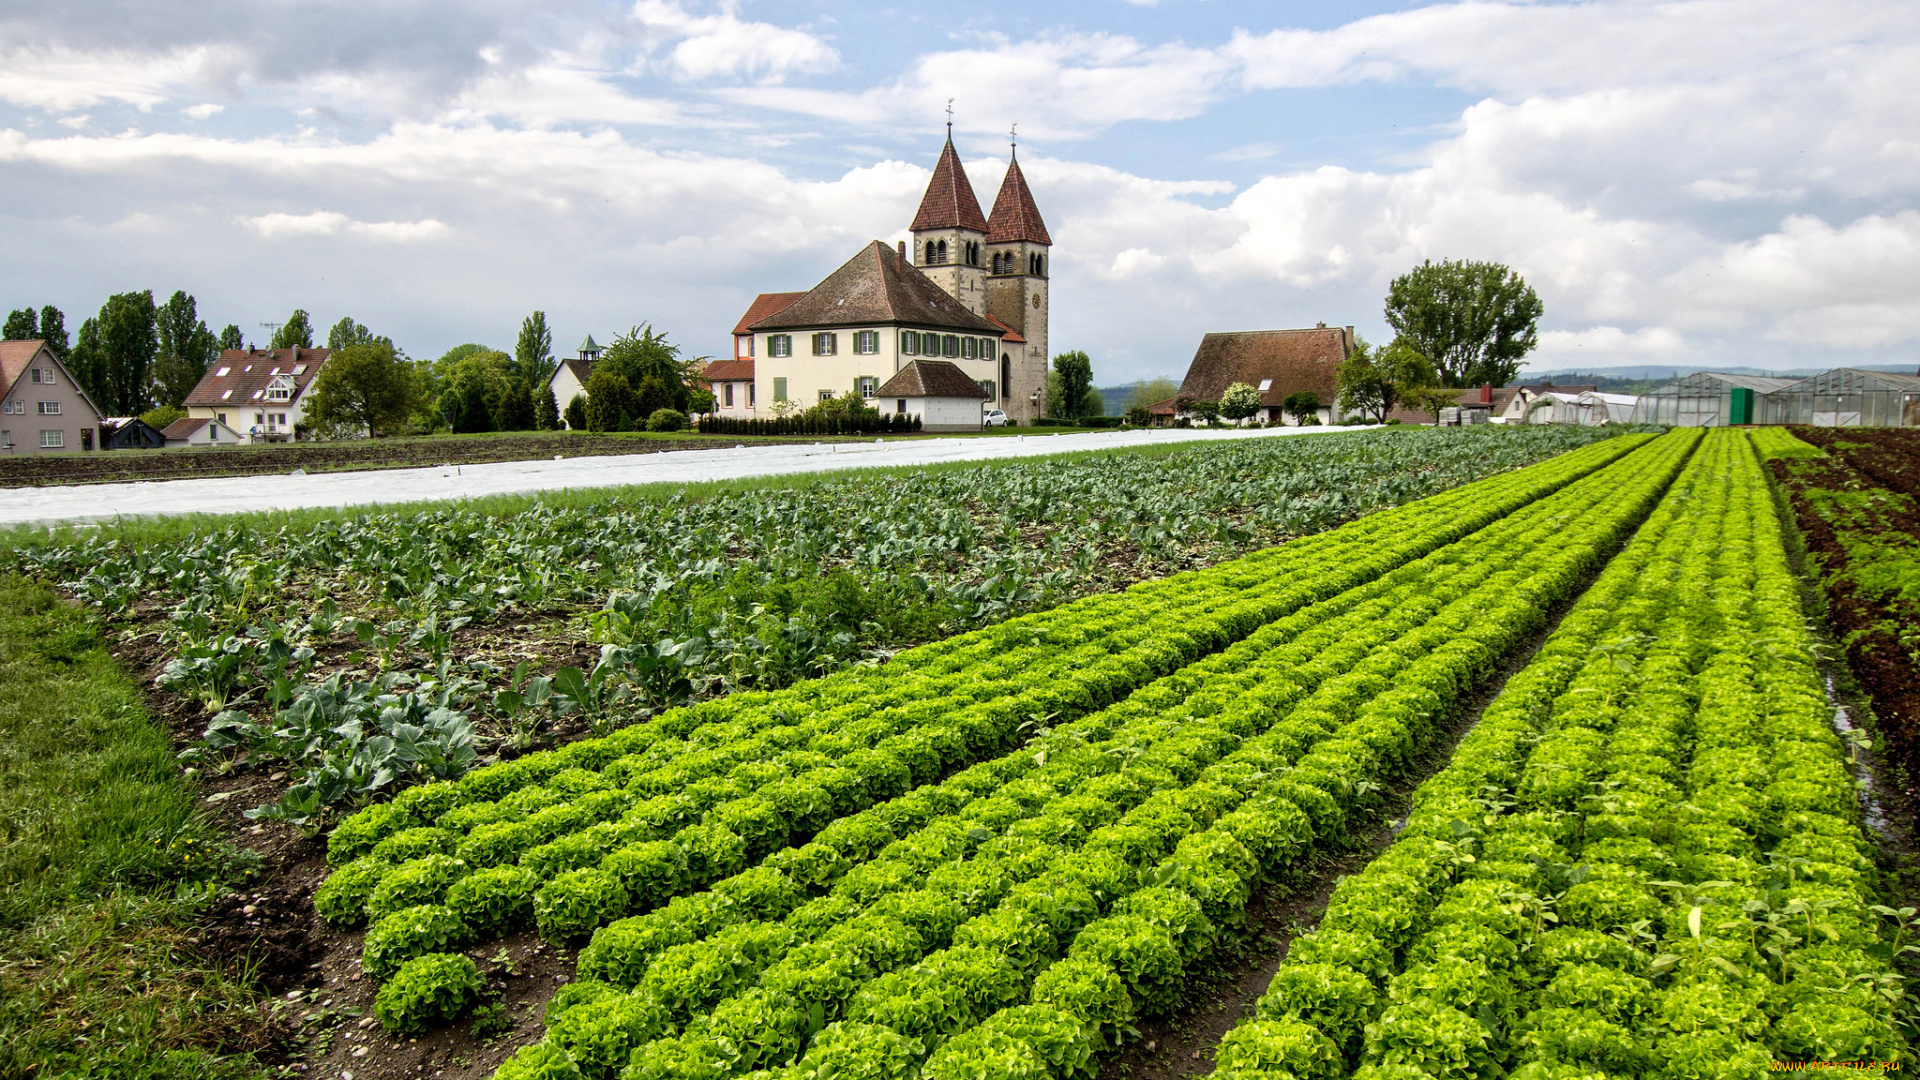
{"x":993,"y":418}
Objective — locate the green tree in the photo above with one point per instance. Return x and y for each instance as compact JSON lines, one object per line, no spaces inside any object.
{"x":471,"y":385}
{"x":1430,"y":399}
{"x":364,"y":386}
{"x":1303,"y":407}
{"x":128,"y":343}
{"x":346,"y":332}
{"x":513,"y":409}
{"x":1076,"y":378}
{"x":576,"y":414}
{"x":22,"y":325}
{"x":1239,"y":401}
{"x":546,"y":408}
{"x":231,"y":338}
{"x":88,"y":362}
{"x":296,"y":332}
{"x":611,"y":402}
{"x":533,"y":351}
{"x":1373,"y":381}
{"x":1474,"y":321}
{"x":53,"y":329}
{"x":641,"y":355}
{"x":1148,"y":392}
{"x":160,"y":416}
{"x":186,"y":348}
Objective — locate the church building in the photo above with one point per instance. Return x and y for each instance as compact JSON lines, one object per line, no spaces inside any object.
{"x":972,"y":292}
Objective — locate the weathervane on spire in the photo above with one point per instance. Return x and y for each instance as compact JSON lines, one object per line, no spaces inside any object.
{"x":1013,"y":139}
{"x":949,"y":119}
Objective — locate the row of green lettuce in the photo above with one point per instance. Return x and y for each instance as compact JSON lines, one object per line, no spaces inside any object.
{"x":1646,"y":860}
{"x":830,"y":772}
{"x":1027,"y":926}
{"x":690,"y":598}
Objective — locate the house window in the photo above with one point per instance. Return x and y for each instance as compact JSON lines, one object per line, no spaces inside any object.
{"x":826,"y":395}
{"x":53,"y":439}
{"x":213,"y":433}
{"x":259,"y":419}
{"x":866,"y":341}
{"x":968,"y":347}
{"x":825,"y":344}
{"x":223,"y":418}
{"x":1266,"y":385}
{"x":6,"y":407}
{"x":779,"y":389}
{"x":866,"y":386}
{"x":49,"y":408}
{"x":780,"y":345}
{"x":909,"y":343}
{"x":281,"y":418}
{"x":900,"y":405}
{"x":727,"y":392}
{"x":6,"y":440}
{"x":950,"y":345}
{"x":987,"y":385}
{"x":749,"y":395}
{"x":43,"y":376}
{"x":279,"y":393}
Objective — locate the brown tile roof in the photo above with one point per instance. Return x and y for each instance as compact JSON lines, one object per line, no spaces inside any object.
{"x":1015,"y":217}
{"x":1010,"y":334}
{"x":582,"y":369}
{"x":247,"y":373}
{"x":1294,"y":360}
{"x":767,"y":303}
{"x":186,"y":426}
{"x":877,"y":286}
{"x":728,"y":371}
{"x":931,"y":378}
{"x":949,"y":201}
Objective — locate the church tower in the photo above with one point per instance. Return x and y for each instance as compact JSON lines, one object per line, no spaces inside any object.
{"x":1019,"y":253}
{"x":950,"y":233}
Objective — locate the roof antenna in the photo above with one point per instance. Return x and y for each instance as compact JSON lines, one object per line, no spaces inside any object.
{"x":949,"y":119}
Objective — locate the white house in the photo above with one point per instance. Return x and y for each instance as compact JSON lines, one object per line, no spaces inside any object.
{"x":569,"y":378}
{"x":259,"y":393}
{"x":201,"y":431}
{"x":939,"y":393}
{"x":732,"y":384}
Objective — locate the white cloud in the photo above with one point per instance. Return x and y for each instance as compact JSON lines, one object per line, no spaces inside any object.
{"x":724,"y":46}
{"x":279,"y":226}
{"x":203,"y":111}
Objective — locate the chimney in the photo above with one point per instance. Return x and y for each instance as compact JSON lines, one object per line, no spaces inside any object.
{"x":1486,"y":393}
{"x":296,"y":355}
{"x":1320,"y":326}
{"x":903,"y":251}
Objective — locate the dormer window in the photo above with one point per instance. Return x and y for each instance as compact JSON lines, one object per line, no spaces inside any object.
{"x":1266,"y":385}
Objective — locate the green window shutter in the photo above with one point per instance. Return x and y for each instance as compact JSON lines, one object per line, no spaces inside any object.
{"x":779,"y":389}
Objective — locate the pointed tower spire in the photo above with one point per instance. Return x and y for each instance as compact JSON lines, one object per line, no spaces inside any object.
{"x":1015,"y":217}
{"x":949,"y":202}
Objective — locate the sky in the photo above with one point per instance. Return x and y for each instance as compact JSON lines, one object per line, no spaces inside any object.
{"x":1694,"y":183}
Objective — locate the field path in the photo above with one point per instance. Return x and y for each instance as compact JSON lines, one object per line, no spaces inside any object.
{"x":90,"y":502}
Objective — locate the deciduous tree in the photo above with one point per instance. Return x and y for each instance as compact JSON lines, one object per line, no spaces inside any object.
{"x":1239,"y":401}
{"x":533,"y":351}
{"x":640,"y":355}
{"x":1373,"y":381}
{"x":231,"y":338}
{"x":1303,"y":406}
{"x":1474,"y":321}
{"x":364,"y":385}
{"x":297,"y":331}
{"x":53,"y":329}
{"x":22,"y":325}
{"x":346,"y":332}
{"x":1149,"y":392}
{"x":128,"y":344}
{"x":186,"y":348}
{"x":1075,"y":370}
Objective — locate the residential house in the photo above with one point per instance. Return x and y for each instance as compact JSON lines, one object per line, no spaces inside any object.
{"x":260,"y":393}
{"x":1277,"y":363}
{"x":732,"y":384}
{"x":42,"y":409}
{"x":767,"y":303}
{"x":202,"y":431}
{"x":944,"y":397}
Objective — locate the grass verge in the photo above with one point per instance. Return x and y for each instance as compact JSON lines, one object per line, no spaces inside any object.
{"x":104,"y":863}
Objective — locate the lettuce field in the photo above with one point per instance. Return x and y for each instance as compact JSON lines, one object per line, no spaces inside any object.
{"x":974,"y":774}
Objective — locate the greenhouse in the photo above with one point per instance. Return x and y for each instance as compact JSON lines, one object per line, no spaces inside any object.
{"x":1707,"y":399}
{"x":1846,"y":397}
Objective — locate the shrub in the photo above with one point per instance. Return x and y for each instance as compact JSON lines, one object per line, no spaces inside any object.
{"x":578,"y":902}
{"x":403,"y":935}
{"x":422,"y":881}
{"x":667,"y":420}
{"x":495,"y":900}
{"x":576,"y":413}
{"x":342,"y":898}
{"x":428,"y":992}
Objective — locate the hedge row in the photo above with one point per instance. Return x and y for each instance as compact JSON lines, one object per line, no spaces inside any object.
{"x":808,"y":424}
{"x":1145,"y":826}
{"x":1646,"y":860}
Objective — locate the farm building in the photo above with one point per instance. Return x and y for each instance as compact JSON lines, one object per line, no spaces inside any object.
{"x":940,"y":394}
{"x":1707,"y":399}
{"x":130,"y":433}
{"x":1846,"y":397}
{"x":1588,"y":407}
{"x":1278,"y":363}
